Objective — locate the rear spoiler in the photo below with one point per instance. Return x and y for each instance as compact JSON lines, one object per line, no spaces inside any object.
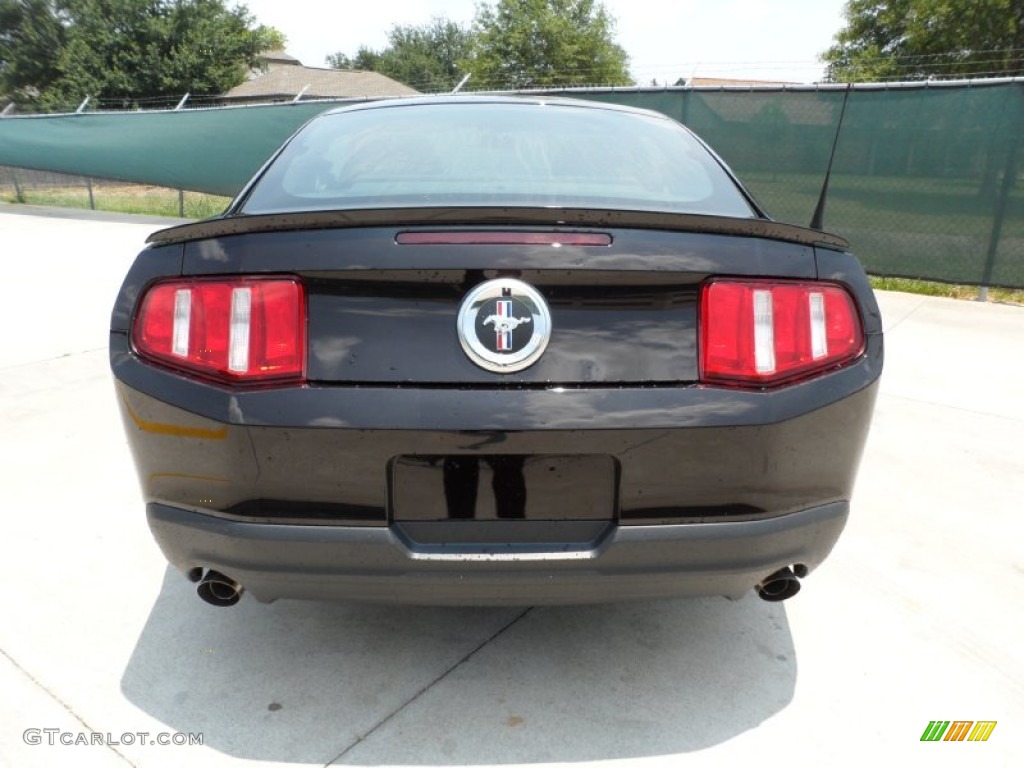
{"x":573,"y":218}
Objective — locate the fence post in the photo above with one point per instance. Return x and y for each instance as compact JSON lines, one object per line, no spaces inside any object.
{"x":92,"y":200}
{"x":999,"y":215}
{"x":181,"y":203}
{"x":18,"y":194}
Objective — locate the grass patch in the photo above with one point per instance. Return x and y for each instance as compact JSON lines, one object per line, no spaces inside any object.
{"x":124,"y":198}
{"x":947,"y":290}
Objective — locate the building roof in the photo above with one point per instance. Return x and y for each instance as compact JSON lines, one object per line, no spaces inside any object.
{"x":279,"y":57}
{"x":285,"y":77}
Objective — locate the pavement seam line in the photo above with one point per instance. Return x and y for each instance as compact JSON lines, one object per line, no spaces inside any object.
{"x":907,"y":316}
{"x":386,"y":719}
{"x":59,"y":700}
{"x":62,"y":356}
{"x":960,"y":408}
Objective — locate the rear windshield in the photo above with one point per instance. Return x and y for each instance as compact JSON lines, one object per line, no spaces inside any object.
{"x":495,"y":154}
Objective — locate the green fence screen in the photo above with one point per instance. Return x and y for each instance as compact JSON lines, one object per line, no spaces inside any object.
{"x":205,"y":150}
{"x":925,"y":181}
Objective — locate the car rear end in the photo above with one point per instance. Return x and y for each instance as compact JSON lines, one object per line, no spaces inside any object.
{"x":308,"y":419}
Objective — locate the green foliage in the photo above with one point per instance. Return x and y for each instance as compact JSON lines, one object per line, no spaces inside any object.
{"x":365,"y":59}
{"x":56,"y":52}
{"x":425,"y":57}
{"x":920,"y":39}
{"x":542,"y":43}
{"x":30,"y":34}
{"x":948,"y":290}
{"x":118,"y":197}
{"x":514,"y":44}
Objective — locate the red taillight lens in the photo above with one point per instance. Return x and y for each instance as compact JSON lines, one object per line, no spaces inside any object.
{"x":764,"y":332}
{"x":237,"y":330}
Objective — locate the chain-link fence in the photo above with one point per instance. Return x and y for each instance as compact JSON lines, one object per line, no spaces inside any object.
{"x":18,"y":185}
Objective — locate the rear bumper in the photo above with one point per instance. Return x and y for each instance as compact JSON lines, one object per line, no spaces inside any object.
{"x":274,"y":561}
{"x":313,"y":492}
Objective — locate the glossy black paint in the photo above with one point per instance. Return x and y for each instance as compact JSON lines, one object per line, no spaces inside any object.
{"x":632,"y":250}
{"x":232,"y":224}
{"x":506,"y":486}
{"x":719,"y":458}
{"x":497,"y":407}
{"x":152,"y":264}
{"x":383,"y":565}
{"x":400,"y":329}
{"x":323,"y":469}
{"x":399,"y":470}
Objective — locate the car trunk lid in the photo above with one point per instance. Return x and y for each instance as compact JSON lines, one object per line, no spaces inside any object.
{"x":383,"y":307}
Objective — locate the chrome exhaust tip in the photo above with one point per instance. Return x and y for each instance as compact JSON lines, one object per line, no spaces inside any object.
{"x":217,"y":589}
{"x":781,"y":585}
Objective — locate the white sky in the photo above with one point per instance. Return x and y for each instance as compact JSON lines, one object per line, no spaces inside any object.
{"x":665,"y":39}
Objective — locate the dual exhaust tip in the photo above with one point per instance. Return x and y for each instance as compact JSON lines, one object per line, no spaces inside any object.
{"x":215,"y":588}
{"x":222,"y":591}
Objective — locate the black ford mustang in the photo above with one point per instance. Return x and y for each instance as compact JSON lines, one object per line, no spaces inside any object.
{"x":489,"y":350}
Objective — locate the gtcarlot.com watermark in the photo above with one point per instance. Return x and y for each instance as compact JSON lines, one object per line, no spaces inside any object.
{"x":55,"y":736}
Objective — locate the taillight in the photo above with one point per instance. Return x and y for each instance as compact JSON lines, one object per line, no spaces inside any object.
{"x":764,"y":332}
{"x":249,"y":329}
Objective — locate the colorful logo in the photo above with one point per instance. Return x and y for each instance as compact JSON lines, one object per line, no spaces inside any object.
{"x":504,"y":325}
{"x":958,"y":730}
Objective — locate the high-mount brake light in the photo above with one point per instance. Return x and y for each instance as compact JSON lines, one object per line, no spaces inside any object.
{"x":765,"y":332}
{"x":237,"y":330}
{"x":474,"y":237}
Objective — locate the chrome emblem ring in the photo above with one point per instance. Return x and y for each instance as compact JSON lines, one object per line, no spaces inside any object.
{"x":504,"y":325}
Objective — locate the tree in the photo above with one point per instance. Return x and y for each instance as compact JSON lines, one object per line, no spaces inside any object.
{"x":366,"y":59}
{"x":541,"y":43}
{"x":426,"y":57}
{"x":56,"y":52}
{"x":30,"y":34}
{"x":920,"y":39}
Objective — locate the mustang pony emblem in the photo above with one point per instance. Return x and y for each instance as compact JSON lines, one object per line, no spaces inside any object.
{"x":502,"y":324}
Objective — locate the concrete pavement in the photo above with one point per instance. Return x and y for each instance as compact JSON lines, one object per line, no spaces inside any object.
{"x":917,"y":615}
